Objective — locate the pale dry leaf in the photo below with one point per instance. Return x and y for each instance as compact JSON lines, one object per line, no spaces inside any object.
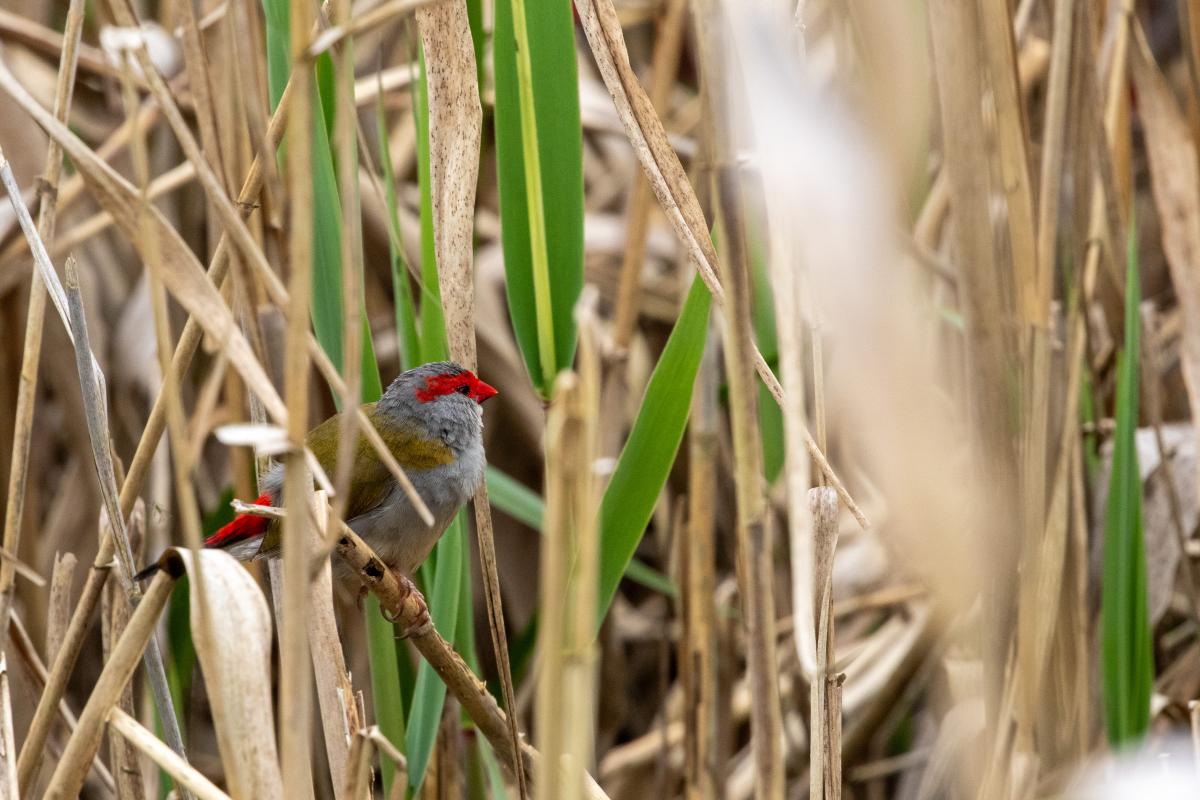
{"x":233,"y":645}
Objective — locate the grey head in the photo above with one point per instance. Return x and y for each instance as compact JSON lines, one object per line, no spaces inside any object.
{"x":442,"y":397}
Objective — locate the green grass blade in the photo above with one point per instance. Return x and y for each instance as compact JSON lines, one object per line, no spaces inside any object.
{"x":430,"y":694}
{"x":649,"y":451}
{"x":385,"y":683}
{"x":539,"y":164}
{"x":1126,"y":647}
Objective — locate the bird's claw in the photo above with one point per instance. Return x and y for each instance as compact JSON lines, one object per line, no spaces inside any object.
{"x":422,"y":624}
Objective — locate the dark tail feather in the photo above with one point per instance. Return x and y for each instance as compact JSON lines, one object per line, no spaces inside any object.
{"x":146,"y":573}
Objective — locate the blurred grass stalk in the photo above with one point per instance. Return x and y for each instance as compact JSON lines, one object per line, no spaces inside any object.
{"x":566,"y":687}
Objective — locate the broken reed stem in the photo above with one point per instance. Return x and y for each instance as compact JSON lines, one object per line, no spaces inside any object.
{"x":566,"y":688}
{"x":295,"y":666}
{"x":58,"y":615}
{"x":14,"y":511}
{"x":85,"y":742}
{"x":184,"y":773}
{"x":825,"y":778}
{"x":94,"y":403}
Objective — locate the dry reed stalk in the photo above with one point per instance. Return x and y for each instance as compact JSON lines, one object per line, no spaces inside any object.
{"x":455,"y":124}
{"x":132,"y":732}
{"x":569,"y":567}
{"x":825,"y":776}
{"x":59,"y":614}
{"x":358,"y":779}
{"x":85,"y":741}
{"x":668,"y":47}
{"x":755,"y":570}
{"x":14,"y":510}
{"x":1045,"y":529}
{"x":671,"y":186}
{"x":295,"y":691}
{"x":954,"y":29}
{"x":335,"y":692}
{"x":699,"y":566}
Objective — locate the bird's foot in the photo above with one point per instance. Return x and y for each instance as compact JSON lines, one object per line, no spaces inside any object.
{"x":361,"y":596}
{"x":421,"y":623}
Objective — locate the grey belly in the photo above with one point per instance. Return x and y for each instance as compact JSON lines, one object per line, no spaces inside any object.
{"x":394,"y":529}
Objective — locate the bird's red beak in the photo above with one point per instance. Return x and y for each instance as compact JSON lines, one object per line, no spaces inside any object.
{"x":482,"y":391}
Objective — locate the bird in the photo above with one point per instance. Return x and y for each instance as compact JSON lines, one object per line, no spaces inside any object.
{"x":431,"y":419}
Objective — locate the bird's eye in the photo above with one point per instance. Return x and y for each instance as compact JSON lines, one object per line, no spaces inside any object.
{"x":463,"y":390}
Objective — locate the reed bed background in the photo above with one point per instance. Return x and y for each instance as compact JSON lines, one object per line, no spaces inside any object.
{"x":848,"y":357}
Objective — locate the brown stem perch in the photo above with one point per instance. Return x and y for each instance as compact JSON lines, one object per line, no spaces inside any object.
{"x":407,"y":607}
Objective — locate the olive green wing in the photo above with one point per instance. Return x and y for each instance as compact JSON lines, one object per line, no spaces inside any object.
{"x":370,"y":480}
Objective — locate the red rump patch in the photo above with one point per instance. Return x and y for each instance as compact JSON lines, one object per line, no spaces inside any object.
{"x":243,"y":527}
{"x":463,"y":382}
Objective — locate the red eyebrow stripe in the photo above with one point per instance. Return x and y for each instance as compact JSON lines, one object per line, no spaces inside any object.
{"x":439,"y":385}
